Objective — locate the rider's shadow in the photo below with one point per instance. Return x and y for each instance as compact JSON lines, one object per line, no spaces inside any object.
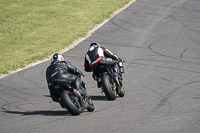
{"x":41,"y":112}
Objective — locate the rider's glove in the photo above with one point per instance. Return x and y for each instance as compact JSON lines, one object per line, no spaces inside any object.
{"x":94,"y":77}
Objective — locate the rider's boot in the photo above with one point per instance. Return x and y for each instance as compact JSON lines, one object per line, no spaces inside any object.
{"x":98,"y":82}
{"x":89,"y":100}
{"x":95,"y":77}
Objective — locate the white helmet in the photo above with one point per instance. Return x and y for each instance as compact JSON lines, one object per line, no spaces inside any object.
{"x":56,"y":57}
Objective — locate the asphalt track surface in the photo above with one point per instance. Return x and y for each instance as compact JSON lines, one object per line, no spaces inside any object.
{"x":160,"y":41}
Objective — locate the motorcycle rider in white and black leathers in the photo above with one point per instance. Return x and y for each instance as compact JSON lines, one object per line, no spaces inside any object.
{"x":97,"y":54}
{"x":60,"y":69}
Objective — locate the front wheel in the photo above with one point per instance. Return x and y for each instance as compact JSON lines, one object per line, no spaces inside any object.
{"x":71,"y":103}
{"x":107,"y":87}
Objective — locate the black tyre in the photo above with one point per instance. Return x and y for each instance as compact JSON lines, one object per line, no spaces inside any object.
{"x":107,"y":87}
{"x":122,"y":91}
{"x":71,"y":103}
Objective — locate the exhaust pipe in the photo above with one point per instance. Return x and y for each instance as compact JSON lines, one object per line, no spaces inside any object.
{"x":77,"y":94}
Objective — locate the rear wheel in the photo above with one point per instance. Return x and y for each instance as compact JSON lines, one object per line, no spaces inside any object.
{"x":71,"y":103}
{"x":107,"y":87}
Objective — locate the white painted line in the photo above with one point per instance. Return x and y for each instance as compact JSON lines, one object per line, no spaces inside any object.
{"x":20,"y":69}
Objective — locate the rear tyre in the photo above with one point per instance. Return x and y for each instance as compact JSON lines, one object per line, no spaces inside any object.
{"x":106,"y":84}
{"x":71,"y":103}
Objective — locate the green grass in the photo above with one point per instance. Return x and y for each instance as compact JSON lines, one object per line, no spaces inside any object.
{"x":32,"y":30}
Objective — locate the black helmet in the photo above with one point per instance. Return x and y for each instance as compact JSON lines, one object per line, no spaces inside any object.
{"x":95,"y":44}
{"x":56,"y":57}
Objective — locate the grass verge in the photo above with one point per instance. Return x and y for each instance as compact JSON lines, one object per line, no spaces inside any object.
{"x":32,"y":30}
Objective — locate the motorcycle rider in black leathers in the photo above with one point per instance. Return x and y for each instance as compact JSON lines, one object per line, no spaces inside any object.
{"x":96,"y":55}
{"x":60,"y":69}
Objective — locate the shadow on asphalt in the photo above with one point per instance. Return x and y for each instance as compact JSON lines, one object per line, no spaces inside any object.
{"x":99,"y":98}
{"x":42,"y":112}
{"x":94,"y":98}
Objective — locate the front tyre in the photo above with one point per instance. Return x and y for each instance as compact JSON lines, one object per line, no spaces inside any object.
{"x":71,"y":103}
{"x":106,"y":84}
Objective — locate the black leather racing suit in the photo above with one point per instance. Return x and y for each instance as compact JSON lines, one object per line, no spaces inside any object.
{"x":95,"y":55}
{"x":64,"y":70}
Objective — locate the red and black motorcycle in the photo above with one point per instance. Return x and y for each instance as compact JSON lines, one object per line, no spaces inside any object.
{"x":110,"y":84}
{"x":71,"y":99}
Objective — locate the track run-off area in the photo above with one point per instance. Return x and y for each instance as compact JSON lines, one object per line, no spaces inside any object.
{"x":160,"y":42}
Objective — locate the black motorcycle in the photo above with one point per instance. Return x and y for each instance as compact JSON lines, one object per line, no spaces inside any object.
{"x":70,"y":98}
{"x":110,"y":84}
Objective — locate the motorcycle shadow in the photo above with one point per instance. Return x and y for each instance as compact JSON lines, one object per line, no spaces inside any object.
{"x":99,"y":98}
{"x":94,"y":98}
{"x":40,"y":112}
